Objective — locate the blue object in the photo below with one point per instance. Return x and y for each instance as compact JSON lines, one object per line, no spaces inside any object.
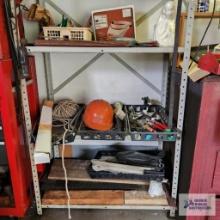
{"x":149,"y":137}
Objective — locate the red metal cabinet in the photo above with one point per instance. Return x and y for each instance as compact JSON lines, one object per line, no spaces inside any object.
{"x":201,"y":142}
{"x":14,"y":147}
{"x":205,"y":171}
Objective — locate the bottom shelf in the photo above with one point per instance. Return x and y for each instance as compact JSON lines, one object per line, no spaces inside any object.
{"x":116,"y":207}
{"x":106,"y":199}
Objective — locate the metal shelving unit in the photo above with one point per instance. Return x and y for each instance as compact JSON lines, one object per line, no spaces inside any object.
{"x":46,"y":51}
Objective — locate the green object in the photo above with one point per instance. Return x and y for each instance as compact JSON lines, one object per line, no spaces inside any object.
{"x":171,"y":138}
{"x":64,"y":21}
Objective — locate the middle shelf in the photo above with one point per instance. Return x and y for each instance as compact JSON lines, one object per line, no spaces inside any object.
{"x":136,"y":126}
{"x":100,"y":123}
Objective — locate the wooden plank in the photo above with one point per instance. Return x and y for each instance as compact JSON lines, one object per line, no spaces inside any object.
{"x":42,"y":150}
{"x":68,"y":152}
{"x":198,"y":15}
{"x":77,"y":171}
{"x":78,"y":43}
{"x":143,"y":198}
{"x":96,"y":197}
{"x":203,"y":14}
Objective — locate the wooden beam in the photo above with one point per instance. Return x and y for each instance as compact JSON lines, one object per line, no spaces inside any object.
{"x":198,"y":15}
{"x":85,"y":197}
{"x":77,"y":170}
{"x":203,"y":15}
{"x":143,"y":198}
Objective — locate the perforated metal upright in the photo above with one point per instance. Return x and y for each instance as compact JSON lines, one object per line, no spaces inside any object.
{"x":113,"y":52}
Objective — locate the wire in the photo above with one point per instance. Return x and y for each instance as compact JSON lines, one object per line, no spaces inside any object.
{"x":65,"y":175}
{"x":66,"y":111}
{"x":65,"y":114}
{"x":206,"y":30}
{"x":14,"y":55}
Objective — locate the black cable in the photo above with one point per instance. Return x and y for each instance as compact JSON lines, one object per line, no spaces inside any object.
{"x":14,"y":55}
{"x":203,"y":37}
{"x":174,"y":63}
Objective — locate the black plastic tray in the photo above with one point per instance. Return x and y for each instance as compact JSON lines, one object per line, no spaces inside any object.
{"x":142,"y":135}
{"x":148,"y":175}
{"x":158,"y":176}
{"x":118,"y":132}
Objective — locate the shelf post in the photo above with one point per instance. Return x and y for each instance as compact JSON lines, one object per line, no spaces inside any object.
{"x":48,"y":76}
{"x":28,"y":133}
{"x":182,"y":98}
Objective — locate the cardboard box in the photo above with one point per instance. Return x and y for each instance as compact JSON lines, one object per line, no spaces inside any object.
{"x":114,"y":23}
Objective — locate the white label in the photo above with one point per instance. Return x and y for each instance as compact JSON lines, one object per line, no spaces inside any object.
{"x":126,"y":12}
{"x":197,"y":204}
{"x":100,"y":21}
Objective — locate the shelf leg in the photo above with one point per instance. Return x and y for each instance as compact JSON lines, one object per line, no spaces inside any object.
{"x":48,"y":76}
{"x":164,"y":85}
{"x":182,"y":98}
{"x":28,"y":133}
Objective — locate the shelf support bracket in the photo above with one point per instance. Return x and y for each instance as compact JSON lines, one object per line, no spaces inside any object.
{"x":150,"y":12}
{"x":138,"y":75}
{"x":77,"y":73}
{"x":48,"y":76}
{"x":58,"y":9}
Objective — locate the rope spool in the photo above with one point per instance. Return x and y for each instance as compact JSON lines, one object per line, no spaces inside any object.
{"x":65,"y":109}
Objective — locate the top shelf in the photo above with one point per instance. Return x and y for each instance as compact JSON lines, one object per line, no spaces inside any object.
{"x":59,"y":49}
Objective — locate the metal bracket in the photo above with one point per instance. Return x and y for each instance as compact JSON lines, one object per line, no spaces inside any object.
{"x":58,"y":9}
{"x":78,"y":72}
{"x":150,"y":12}
{"x":56,"y":151}
{"x":48,"y":76}
{"x":165,"y":79}
{"x":138,"y":75}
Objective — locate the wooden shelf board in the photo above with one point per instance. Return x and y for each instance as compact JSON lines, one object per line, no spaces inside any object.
{"x":77,"y":171}
{"x":203,"y":15}
{"x":103,"y":198}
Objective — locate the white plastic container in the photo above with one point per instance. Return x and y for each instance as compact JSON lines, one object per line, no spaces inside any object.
{"x":67,"y":33}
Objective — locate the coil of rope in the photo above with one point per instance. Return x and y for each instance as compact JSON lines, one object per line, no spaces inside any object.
{"x":65,"y":109}
{"x":65,"y":113}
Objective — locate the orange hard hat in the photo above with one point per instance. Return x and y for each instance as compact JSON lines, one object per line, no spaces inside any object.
{"x":99,"y":115}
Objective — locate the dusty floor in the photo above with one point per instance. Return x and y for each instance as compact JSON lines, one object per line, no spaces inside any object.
{"x":98,"y":215}
{"x":101,"y":215}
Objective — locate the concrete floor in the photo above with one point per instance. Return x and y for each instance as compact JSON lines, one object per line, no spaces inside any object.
{"x":51,"y":214}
